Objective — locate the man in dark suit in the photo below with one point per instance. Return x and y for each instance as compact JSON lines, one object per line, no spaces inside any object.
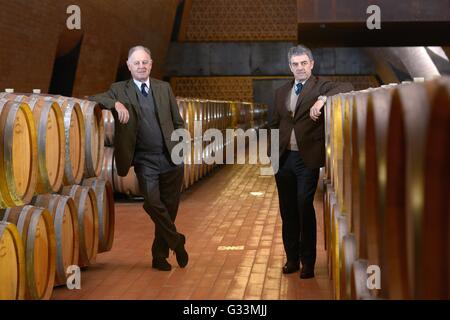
{"x":297,"y":115}
{"x":146,"y":113}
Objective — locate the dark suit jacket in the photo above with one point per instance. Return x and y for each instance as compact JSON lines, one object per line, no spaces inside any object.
{"x":168,"y":116}
{"x":310,"y":135}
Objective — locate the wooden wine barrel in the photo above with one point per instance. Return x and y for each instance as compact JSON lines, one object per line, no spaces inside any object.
{"x":75,"y":134}
{"x":183,"y":107}
{"x":128,"y":185}
{"x":197,"y":142}
{"x":378,"y":110}
{"x":229,"y":134}
{"x":38,"y":234}
{"x":328,"y":120}
{"x":197,"y":151}
{"x":327,"y":189}
{"x":12,"y":263}
{"x":190,"y":115}
{"x":248,"y":120}
{"x":14,"y":97}
{"x":434,"y":260}
{"x":337,"y":153}
{"x":18,"y":154}
{"x":235,"y":114}
{"x":206,"y":124}
{"x":193,"y":176}
{"x":347,"y":258}
{"x":107,"y":172}
{"x":187,"y":167}
{"x":86,"y":203}
{"x":225,"y":110}
{"x":106,"y":214}
{"x":208,"y":146}
{"x":332,"y":203}
{"x":347,"y":158}
{"x":65,"y":221}
{"x":219,"y":115}
{"x":202,"y":116}
{"x":219,"y":125}
{"x":94,"y":137}
{"x":339,"y":230}
{"x":50,"y":141}
{"x":108,"y":124}
{"x":417,"y":217}
{"x":359,"y":276}
{"x":217,"y":145}
{"x":359,"y":222}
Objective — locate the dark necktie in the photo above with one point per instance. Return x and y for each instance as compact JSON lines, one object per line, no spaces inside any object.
{"x":298,"y":88}
{"x":143,"y":91}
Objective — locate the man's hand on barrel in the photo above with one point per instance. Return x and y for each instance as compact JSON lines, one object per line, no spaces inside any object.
{"x":122,"y":112}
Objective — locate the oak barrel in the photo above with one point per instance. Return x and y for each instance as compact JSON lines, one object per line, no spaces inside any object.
{"x":108,"y":166}
{"x":74,"y":129}
{"x":86,"y":203}
{"x":65,"y":221}
{"x":12,"y":263}
{"x":108,"y":124}
{"x":94,"y":137}
{"x":18,"y":154}
{"x":417,"y":216}
{"x":35,"y":226}
{"x":50,"y":141}
{"x":106,"y":214}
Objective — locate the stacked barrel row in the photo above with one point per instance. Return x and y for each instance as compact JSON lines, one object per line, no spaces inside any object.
{"x":54,"y":212}
{"x":387,"y":191}
{"x":199,"y":116}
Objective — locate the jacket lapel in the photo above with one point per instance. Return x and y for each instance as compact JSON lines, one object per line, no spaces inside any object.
{"x":132,"y":95}
{"x":305,"y":91}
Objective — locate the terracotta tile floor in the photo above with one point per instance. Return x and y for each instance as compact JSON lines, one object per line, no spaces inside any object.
{"x":218,"y":211}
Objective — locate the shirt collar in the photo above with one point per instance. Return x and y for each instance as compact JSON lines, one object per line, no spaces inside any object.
{"x":139,"y":83}
{"x":302,"y":82}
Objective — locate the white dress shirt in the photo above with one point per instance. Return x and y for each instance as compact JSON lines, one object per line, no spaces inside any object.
{"x":139,"y":84}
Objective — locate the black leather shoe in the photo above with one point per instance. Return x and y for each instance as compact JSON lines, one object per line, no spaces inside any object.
{"x":307,"y":272}
{"x":161,"y":264}
{"x":291,"y":267}
{"x":181,"y":253}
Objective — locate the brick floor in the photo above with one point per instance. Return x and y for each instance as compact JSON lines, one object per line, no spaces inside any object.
{"x":218,"y":211}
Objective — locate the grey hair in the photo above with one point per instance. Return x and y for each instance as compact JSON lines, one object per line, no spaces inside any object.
{"x":298,"y":51}
{"x":136,"y":48}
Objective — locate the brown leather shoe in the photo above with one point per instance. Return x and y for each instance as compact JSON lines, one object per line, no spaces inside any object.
{"x":161,"y":264}
{"x":291,"y":267}
{"x":307,"y":271}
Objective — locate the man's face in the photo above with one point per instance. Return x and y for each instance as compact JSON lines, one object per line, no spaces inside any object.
{"x":140,"y":65}
{"x":301,"y":67}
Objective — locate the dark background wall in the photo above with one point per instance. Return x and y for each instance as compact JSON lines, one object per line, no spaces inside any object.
{"x":226,"y":49}
{"x":36,"y":46}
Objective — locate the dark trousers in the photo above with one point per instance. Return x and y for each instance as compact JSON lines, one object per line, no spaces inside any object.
{"x":296,"y":186}
{"x":161,"y":190}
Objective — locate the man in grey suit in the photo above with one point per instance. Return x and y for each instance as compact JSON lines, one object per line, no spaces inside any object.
{"x":146,"y":113}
